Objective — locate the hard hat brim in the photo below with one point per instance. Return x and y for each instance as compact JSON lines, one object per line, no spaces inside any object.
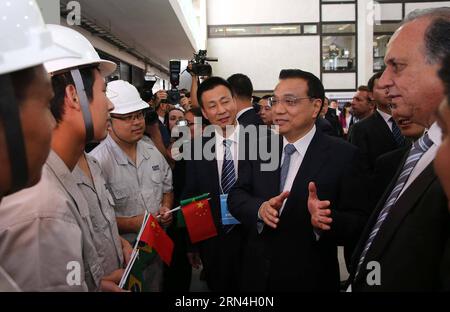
{"x":130,"y":108}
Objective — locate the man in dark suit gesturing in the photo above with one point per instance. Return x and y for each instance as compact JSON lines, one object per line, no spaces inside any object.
{"x":292,"y":241}
{"x":403,"y":245}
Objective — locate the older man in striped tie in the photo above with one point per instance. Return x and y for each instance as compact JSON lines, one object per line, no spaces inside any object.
{"x":403,"y":244}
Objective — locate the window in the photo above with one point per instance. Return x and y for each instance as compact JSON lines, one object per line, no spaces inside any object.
{"x":382,"y":34}
{"x":338,"y":47}
{"x":217,"y":31}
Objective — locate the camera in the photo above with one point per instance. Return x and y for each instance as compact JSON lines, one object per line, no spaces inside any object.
{"x":173,"y":95}
{"x":200,"y":66}
{"x":182,"y":123}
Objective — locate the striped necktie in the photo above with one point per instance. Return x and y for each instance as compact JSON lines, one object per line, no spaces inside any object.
{"x":289,"y":149}
{"x":228,"y":173}
{"x":398,"y":137}
{"x":419,"y":148}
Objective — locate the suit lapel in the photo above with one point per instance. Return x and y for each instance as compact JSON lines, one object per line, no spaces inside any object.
{"x":374,"y":216}
{"x":382,"y":126}
{"x":312,"y":162}
{"x":399,"y":211}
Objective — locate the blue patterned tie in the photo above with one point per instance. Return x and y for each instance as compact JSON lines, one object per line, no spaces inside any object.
{"x":418,"y":149}
{"x":288,"y":151}
{"x":228,"y":172}
{"x":398,"y":137}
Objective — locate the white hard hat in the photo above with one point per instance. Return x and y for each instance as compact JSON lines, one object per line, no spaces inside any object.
{"x":125,"y":97}
{"x":24,"y":39}
{"x":69,"y":37}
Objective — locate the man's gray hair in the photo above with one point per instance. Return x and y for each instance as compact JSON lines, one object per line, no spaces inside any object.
{"x":437,"y":35}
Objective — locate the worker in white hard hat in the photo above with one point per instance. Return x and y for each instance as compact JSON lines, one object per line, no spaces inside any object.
{"x":49,"y":244}
{"x":26,"y":122}
{"x":136,"y":173}
{"x":112,"y":250}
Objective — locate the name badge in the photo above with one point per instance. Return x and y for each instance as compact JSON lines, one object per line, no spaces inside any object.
{"x":155,"y":168}
{"x":227,"y":218}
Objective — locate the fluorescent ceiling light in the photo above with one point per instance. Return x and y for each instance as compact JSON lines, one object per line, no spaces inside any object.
{"x":283,"y":28}
{"x":236,"y":29}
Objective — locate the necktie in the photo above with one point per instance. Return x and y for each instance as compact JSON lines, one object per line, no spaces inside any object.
{"x":398,"y":137}
{"x":228,"y":173}
{"x":418,"y":149}
{"x":288,"y":151}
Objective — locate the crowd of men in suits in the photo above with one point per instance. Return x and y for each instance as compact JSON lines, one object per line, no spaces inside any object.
{"x":383,"y":195}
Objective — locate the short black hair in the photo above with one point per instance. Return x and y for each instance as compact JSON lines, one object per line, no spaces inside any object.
{"x":371,"y":83}
{"x":444,"y":73}
{"x":209,"y":84}
{"x":315,"y":86}
{"x":62,"y":80}
{"x":363,"y":88}
{"x":265,"y":97}
{"x":242,"y":86}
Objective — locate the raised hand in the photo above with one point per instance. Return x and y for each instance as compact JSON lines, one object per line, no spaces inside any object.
{"x":319,"y":210}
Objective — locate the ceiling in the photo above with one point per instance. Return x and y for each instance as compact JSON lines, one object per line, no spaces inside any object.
{"x":149,"y":26}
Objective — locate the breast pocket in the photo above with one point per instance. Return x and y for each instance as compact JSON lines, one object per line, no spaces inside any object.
{"x":120,"y":193}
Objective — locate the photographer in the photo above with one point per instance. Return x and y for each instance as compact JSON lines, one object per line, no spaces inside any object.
{"x":162,"y":107}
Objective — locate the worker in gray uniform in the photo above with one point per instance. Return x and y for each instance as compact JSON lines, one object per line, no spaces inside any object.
{"x":138,"y":176}
{"x":25,"y":91}
{"x":45,"y":231}
{"x":111,"y":248}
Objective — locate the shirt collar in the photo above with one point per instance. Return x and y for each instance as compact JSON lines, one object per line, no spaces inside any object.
{"x":117,"y":152}
{"x":234,"y":137}
{"x":161,"y":119}
{"x":435,"y":134}
{"x":301,"y":145}
{"x":385,"y":116}
{"x":241,"y":112}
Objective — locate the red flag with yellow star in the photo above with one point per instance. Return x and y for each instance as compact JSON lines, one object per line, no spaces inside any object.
{"x":156,"y":237}
{"x":199,"y":220}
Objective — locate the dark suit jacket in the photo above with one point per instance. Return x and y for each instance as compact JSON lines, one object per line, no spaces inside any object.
{"x":289,"y":258}
{"x":325,"y":126}
{"x":373,"y":137}
{"x":385,"y":168}
{"x":220,"y":255}
{"x":412,"y":245}
{"x":332,"y":117}
{"x":250,"y":117}
{"x":165,"y":133}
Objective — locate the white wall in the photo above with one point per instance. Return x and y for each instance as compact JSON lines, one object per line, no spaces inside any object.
{"x":262,"y":58}
{"x":338,"y":12}
{"x":424,"y":5}
{"x":365,"y":41}
{"x":50,"y":10}
{"x":339,"y":80}
{"x":389,"y":11}
{"x":228,"y":12}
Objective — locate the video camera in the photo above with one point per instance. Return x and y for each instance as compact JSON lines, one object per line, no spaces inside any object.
{"x":200,"y":66}
{"x":173,"y":95}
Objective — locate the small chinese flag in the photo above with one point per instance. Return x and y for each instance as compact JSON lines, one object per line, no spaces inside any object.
{"x":156,"y":237}
{"x":199,"y":220}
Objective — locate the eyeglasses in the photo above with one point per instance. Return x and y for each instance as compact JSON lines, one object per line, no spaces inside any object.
{"x":130,"y":118}
{"x":289,"y":101}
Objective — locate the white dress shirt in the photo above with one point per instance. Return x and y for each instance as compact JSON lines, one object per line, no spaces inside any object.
{"x":435,"y":134}
{"x":387,"y":118}
{"x":220,"y":149}
{"x":301,"y":146}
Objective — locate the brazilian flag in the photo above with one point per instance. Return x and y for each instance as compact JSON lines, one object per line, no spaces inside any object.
{"x":136,"y":281}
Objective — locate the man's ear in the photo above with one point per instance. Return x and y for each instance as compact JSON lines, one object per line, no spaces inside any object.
{"x":204,"y":114}
{"x":317,"y":107}
{"x":71,"y":97}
